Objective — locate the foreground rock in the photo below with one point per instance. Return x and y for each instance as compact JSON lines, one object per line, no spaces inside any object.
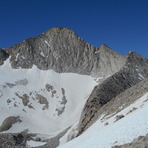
{"x":19,"y":140}
{"x":134,"y":71}
{"x":15,"y":140}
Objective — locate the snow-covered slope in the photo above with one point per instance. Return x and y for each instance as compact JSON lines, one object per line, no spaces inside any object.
{"x":45,"y":101}
{"x":115,"y":131}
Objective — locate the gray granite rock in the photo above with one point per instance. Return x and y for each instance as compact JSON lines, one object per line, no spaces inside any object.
{"x":3,"y":56}
{"x":8,"y":122}
{"x":134,"y":71}
{"x":19,"y":140}
{"x":15,"y":140}
{"x":42,"y":100}
{"x":62,"y":50}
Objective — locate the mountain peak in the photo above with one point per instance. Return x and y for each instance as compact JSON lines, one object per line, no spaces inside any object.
{"x":57,"y":30}
{"x":62,"y":50}
{"x":104,"y":46}
{"x":132,"y":55}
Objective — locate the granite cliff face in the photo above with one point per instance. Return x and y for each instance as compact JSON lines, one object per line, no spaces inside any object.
{"x":134,"y":71}
{"x":62,"y":50}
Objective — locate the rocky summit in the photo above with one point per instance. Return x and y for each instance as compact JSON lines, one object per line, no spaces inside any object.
{"x":56,"y":90}
{"x":62,"y":50}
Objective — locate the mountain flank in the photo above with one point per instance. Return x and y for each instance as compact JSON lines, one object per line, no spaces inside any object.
{"x":134,"y":71}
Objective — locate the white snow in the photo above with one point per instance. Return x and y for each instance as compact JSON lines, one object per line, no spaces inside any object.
{"x":47,"y":43}
{"x":32,"y":143}
{"x":141,"y":77}
{"x":123,"y":131}
{"x":98,"y":79}
{"x":42,"y":54}
{"x":17,"y":56}
{"x":77,"y":89}
{"x":23,"y":57}
{"x":70,"y":133}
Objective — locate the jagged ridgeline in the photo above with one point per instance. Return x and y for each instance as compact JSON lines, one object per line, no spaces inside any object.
{"x":62,"y":50}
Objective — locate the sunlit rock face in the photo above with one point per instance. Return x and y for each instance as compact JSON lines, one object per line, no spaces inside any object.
{"x":62,"y":50}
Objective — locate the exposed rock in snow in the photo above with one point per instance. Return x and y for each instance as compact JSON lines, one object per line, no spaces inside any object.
{"x":8,"y":122}
{"x":3,"y":56}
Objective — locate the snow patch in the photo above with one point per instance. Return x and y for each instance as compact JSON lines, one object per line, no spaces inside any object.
{"x":23,"y":57}
{"x":32,"y":143}
{"x":123,"y":131}
{"x":98,"y":79}
{"x":42,"y":54}
{"x":141,"y":77}
{"x":16,"y":57}
{"x":47,"y":43}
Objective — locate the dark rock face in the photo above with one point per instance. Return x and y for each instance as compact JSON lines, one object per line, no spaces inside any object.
{"x":62,"y":50}
{"x":8,"y":122}
{"x":42,"y":100}
{"x":123,"y":100}
{"x":15,"y":140}
{"x":19,"y":140}
{"x":135,"y":70}
{"x":3,"y":56}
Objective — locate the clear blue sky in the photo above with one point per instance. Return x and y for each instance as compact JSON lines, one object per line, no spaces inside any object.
{"x":121,"y":24}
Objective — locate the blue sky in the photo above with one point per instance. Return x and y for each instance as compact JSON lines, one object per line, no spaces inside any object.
{"x":120,"y":24}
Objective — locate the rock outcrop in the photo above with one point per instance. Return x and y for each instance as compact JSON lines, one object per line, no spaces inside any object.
{"x":8,"y":122}
{"x":62,"y":50}
{"x":135,"y":70}
{"x":3,"y":56}
{"x":19,"y":140}
{"x":124,"y":99}
{"x":15,"y":140}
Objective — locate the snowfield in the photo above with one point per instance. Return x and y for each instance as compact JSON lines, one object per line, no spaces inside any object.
{"x":46,"y":102}
{"x":125,"y":130}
